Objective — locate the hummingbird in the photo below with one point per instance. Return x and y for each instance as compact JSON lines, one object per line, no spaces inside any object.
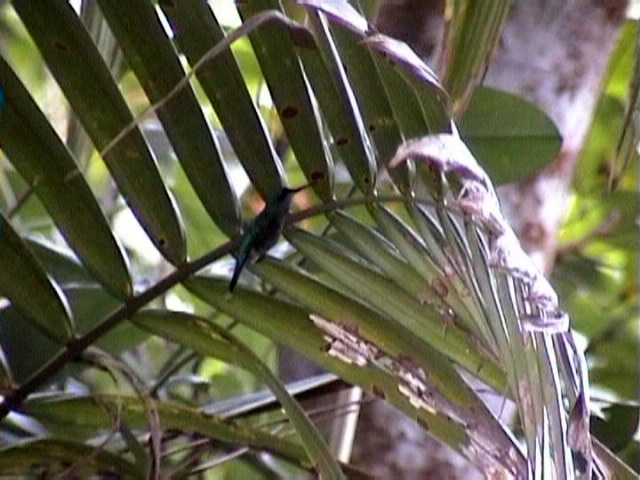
{"x":264,"y":231}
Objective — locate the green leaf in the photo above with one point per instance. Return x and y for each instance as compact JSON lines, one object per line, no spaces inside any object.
{"x":290,"y":325}
{"x":375,"y":289}
{"x":331,"y":87}
{"x":433,"y":101}
{"x":87,"y":83}
{"x":19,"y":336}
{"x":599,"y":148}
{"x":86,"y":299}
{"x":6,"y":377}
{"x":151,"y":56}
{"x":334,"y":305}
{"x":451,"y":288}
{"x":510,"y":137}
{"x":629,"y":137}
{"x":280,"y":65}
{"x":189,"y":331}
{"x":39,"y":155}
{"x":260,"y":401}
{"x":472,"y":34}
{"x":376,"y":109}
{"x":618,"y":427}
{"x":206,"y":338}
{"x":196,"y":32}
{"x":98,"y":411}
{"x":609,"y":221}
{"x":26,"y":285}
{"x":369,"y":330}
{"x":57,"y":456}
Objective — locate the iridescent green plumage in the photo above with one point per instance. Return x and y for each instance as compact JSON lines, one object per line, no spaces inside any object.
{"x":263,"y":232}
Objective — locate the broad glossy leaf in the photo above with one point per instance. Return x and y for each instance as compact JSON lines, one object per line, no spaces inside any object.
{"x":94,"y":96}
{"x":510,"y":137}
{"x":39,"y":155}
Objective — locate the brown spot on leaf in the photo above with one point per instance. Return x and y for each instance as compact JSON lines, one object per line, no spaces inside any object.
{"x":342,"y":141}
{"x":351,"y":328}
{"x":372,"y":128}
{"x":301,"y":37}
{"x":378,"y":392}
{"x":423,"y":423}
{"x":406,"y":362}
{"x":60,"y":46}
{"x":317,"y":176}
{"x":289,"y":112}
{"x":440,"y":287}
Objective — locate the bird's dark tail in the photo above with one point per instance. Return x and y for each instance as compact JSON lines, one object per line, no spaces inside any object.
{"x":240,"y":263}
